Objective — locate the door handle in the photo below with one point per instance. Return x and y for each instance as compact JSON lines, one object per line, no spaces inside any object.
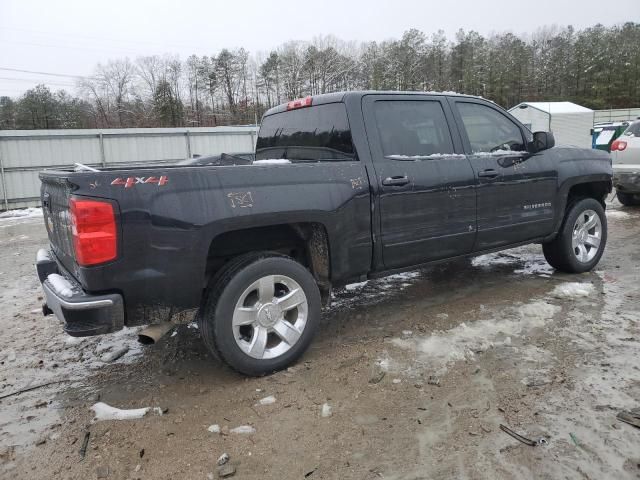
{"x":490,"y":173}
{"x":397,"y":181}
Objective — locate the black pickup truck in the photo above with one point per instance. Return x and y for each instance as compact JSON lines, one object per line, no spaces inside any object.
{"x":343,"y":187}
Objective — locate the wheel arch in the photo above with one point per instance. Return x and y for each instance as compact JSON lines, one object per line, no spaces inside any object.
{"x":596,"y":186}
{"x":306,"y":242}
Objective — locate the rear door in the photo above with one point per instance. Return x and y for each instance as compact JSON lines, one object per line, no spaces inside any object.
{"x":325,"y":182}
{"x":427,"y":203}
{"x":516,"y":189}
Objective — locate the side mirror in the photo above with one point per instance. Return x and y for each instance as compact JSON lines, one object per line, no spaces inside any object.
{"x":543,"y":141}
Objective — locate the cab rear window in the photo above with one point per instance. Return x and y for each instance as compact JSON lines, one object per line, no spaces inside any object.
{"x":312,"y":134}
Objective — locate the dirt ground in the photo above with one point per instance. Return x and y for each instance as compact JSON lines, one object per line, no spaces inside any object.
{"x":414,"y":374}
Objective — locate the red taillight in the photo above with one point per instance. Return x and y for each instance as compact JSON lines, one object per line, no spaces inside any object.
{"x":93,"y":226}
{"x":300,"y":103}
{"x":618,"y":145}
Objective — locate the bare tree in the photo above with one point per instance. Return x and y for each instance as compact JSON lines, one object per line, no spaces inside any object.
{"x":597,"y":66}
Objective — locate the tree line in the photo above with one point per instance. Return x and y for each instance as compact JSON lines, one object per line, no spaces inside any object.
{"x":598,"y":67}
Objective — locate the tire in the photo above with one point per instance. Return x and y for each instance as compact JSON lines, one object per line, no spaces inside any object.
{"x":240,"y":293}
{"x":628,"y":199}
{"x":571,"y":255}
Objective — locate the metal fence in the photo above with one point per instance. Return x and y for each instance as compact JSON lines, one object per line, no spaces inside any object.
{"x":24,"y":153}
{"x":616,"y":115}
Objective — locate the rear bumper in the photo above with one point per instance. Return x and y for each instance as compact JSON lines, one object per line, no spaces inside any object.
{"x":83,"y":314}
{"x":627,"y":181}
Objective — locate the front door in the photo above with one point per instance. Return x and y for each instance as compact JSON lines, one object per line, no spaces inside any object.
{"x":516,"y":189}
{"x":427,"y":199}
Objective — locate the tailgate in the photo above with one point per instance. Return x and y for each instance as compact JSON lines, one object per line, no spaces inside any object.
{"x":54,"y":193}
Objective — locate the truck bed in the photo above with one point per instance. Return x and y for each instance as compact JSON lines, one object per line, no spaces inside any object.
{"x":168,"y":215}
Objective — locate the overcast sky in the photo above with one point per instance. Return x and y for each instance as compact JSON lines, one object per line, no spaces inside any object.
{"x":68,"y":37}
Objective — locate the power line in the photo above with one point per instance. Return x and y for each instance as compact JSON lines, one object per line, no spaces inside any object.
{"x":50,"y":74}
{"x":110,"y":51}
{"x":33,"y":80}
{"x":102,"y":39}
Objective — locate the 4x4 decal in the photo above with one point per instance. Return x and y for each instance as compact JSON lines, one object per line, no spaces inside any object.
{"x":132,"y":181}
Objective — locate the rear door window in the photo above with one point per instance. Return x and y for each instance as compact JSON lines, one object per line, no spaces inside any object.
{"x":488,"y":130}
{"x":311,"y":134}
{"x":412,"y":129}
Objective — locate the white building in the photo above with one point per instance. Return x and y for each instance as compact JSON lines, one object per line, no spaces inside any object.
{"x":571,"y":124}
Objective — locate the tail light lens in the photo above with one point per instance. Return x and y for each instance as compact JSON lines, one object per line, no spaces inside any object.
{"x":618,"y":145}
{"x":93,"y":227}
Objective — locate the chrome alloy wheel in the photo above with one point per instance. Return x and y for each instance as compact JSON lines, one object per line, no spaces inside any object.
{"x":587,"y":235}
{"x":270,"y":316}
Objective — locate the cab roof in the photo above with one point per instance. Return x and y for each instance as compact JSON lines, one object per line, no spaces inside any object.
{"x":342,"y":96}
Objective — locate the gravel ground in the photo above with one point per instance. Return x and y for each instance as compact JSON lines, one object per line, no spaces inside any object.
{"x":409,"y":378}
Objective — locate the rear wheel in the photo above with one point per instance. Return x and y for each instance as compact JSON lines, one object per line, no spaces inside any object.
{"x":260,"y":313}
{"x":628,"y":199}
{"x":580,"y":243}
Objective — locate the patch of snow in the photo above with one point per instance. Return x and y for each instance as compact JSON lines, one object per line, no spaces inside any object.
{"x":271,"y":161}
{"x":267,"y":400}
{"x":499,"y":152}
{"x":538,"y":267}
{"x":355,"y":286}
{"x":533,"y":264}
{"x":21,"y":213}
{"x":396,"y":381}
{"x":215,"y":428}
{"x":326,"y":410}
{"x":69,"y":340}
{"x":464,"y":341}
{"x":570,"y":290}
{"x":537,"y":313}
{"x":373,"y":291}
{"x":106,"y":412}
{"x":491,"y":259}
{"x":401,"y":276}
{"x":424,"y":157}
{"x":617,"y":214}
{"x":243,"y":430}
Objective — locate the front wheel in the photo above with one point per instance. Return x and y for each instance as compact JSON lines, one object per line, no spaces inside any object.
{"x":628,"y":199}
{"x":260,"y":313}
{"x":580,"y":243}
